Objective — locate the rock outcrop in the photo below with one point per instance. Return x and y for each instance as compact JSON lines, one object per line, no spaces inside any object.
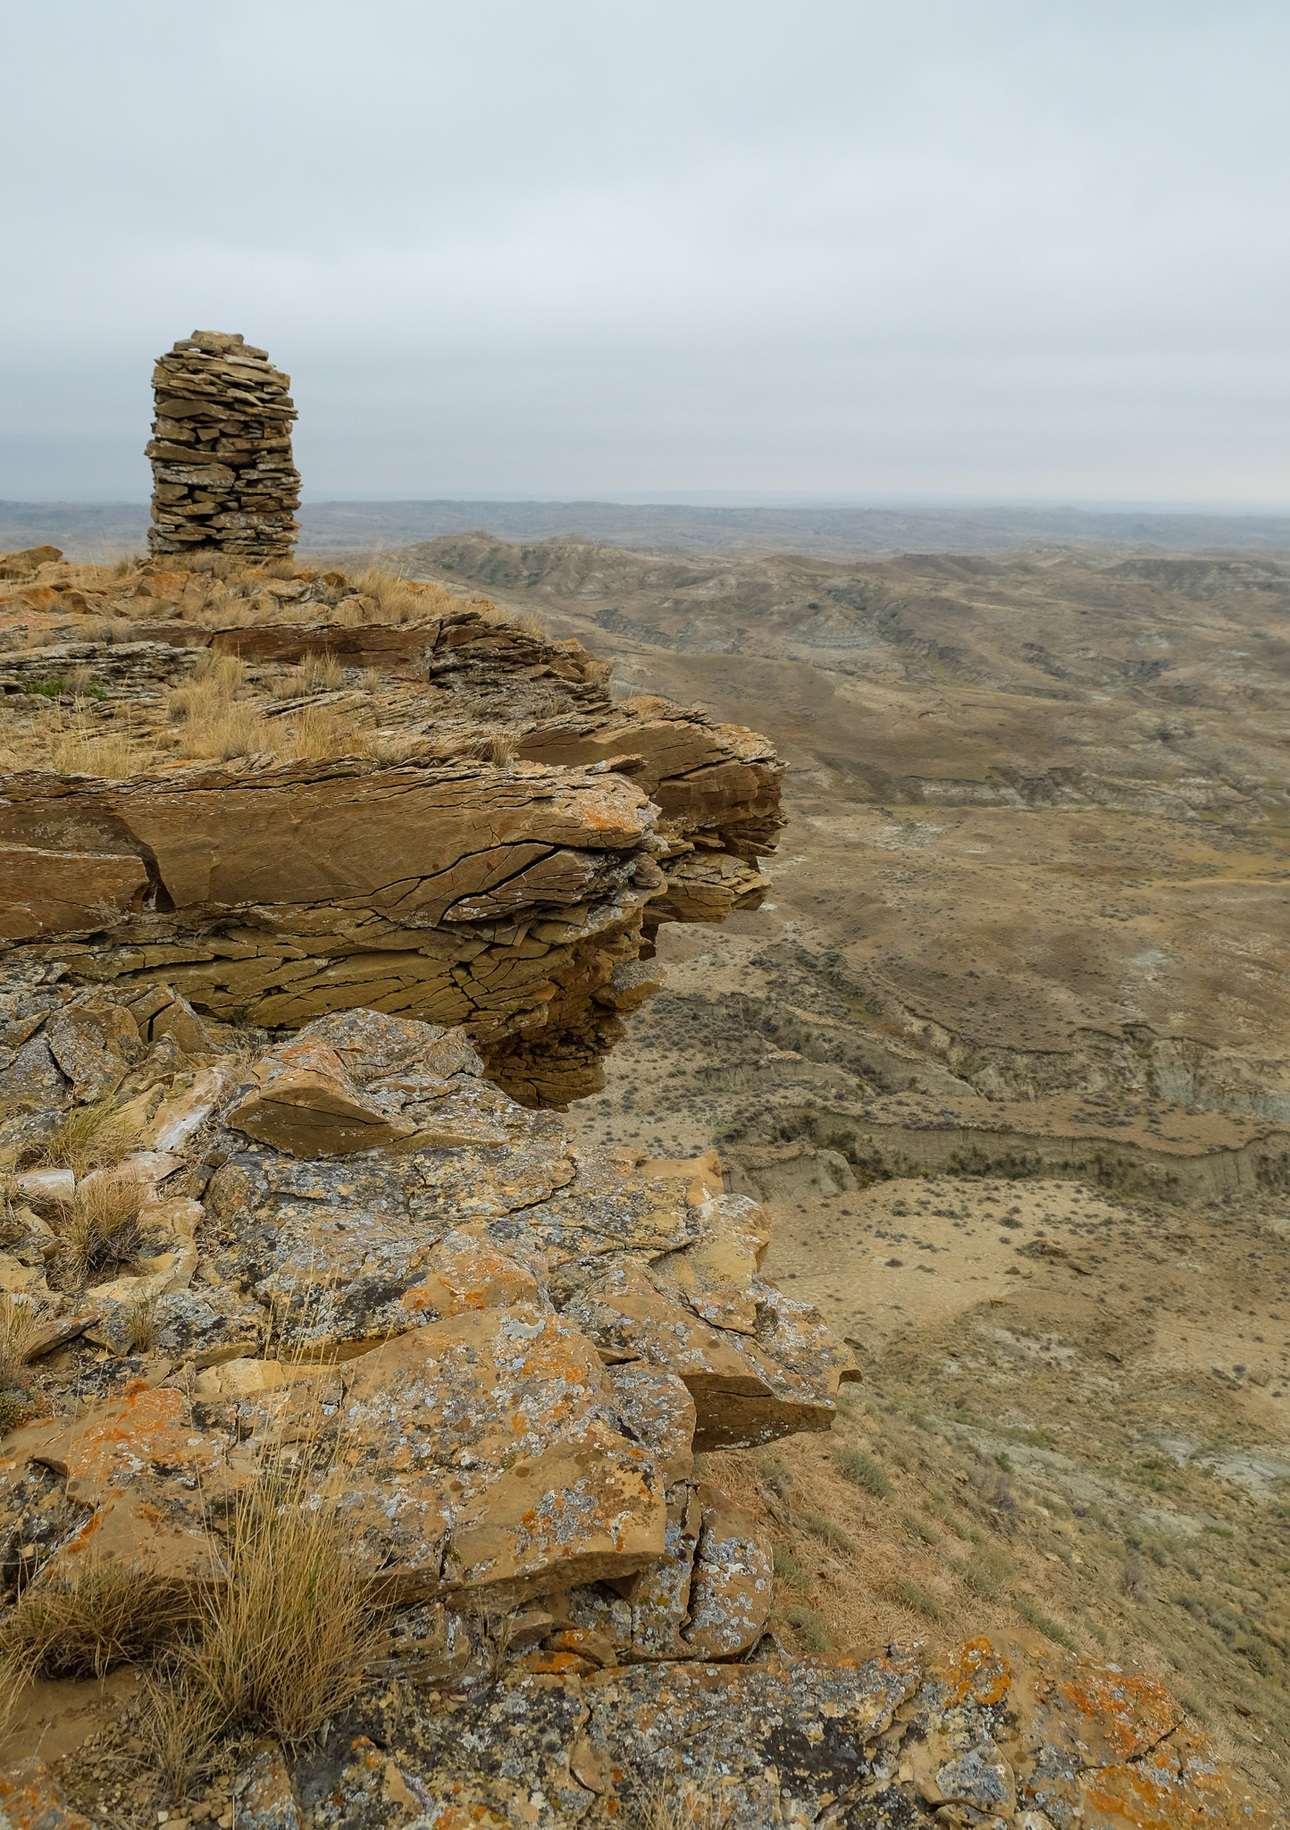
{"x":221,"y":450}
{"x":505,"y":1351}
{"x":486,"y":840}
{"x":356,"y":1280}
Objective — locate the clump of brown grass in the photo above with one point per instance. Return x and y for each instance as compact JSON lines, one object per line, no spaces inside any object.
{"x":396,"y":600}
{"x":689,"y":1805}
{"x":99,"y":1226}
{"x":229,"y":731}
{"x":391,"y":748}
{"x":17,"y":1325}
{"x":179,"y":1731}
{"x":89,"y":1137}
{"x":82,"y":1625}
{"x":322,"y":672}
{"x":286,"y":1638}
{"x":319,"y":731}
{"x":111,"y":758}
{"x":142,"y":1324}
{"x":500,"y":749}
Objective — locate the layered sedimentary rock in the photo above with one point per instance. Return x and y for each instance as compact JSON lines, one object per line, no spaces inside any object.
{"x":491,"y":844}
{"x":221,"y":450}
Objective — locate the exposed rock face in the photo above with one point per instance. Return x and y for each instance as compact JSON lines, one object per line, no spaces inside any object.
{"x":410,"y":872}
{"x":377,"y":1284}
{"x":221,"y":450}
{"x":418,"y":1248}
{"x":1011,"y":1736}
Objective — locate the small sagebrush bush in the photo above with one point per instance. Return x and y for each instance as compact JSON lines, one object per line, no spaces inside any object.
{"x":863,"y":1471}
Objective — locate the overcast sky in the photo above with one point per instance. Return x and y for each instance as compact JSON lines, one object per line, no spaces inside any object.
{"x":994,"y":249}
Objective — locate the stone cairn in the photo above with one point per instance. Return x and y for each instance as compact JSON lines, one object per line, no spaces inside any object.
{"x":223,"y":478}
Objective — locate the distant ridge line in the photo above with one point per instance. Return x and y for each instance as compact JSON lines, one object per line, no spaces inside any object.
{"x":95,"y":530}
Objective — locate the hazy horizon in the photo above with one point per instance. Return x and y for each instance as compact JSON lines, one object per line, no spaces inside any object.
{"x":844,"y":255}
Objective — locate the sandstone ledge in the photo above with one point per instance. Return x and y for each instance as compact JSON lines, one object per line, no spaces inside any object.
{"x":497,"y":852}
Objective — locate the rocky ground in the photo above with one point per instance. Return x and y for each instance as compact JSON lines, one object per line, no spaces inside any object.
{"x":558,"y":1416}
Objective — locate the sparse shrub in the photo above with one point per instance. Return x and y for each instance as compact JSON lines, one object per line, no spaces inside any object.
{"x":99,"y":1226}
{"x":996,"y":1490}
{"x":863,"y":1471}
{"x":1132,"y":1581}
{"x":809,"y":1627}
{"x":500,"y":749}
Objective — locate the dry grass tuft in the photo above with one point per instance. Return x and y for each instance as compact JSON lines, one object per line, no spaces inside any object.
{"x":111,"y":758}
{"x":287,"y":1637}
{"x":500,"y":749}
{"x":395,"y":599}
{"x":17,"y":1325}
{"x":144,"y":1327}
{"x":320,"y":731}
{"x":179,"y":1732}
{"x":690,"y":1806}
{"x":106,"y":1614}
{"x":229,"y":731}
{"x":99,"y":1226}
{"x":322,"y":672}
{"x":89,"y":1137}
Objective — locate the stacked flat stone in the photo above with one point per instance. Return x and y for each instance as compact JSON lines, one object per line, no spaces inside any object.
{"x":223,"y":478}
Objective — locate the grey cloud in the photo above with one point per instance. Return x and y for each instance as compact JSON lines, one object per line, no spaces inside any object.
{"x":831,"y":247}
